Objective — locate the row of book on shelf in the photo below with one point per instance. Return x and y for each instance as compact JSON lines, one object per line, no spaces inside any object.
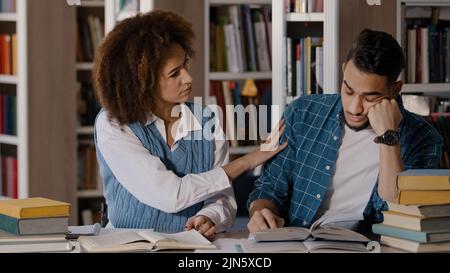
{"x":420,"y":220}
{"x":8,"y":177}
{"x":91,"y":31}
{"x":34,"y":225}
{"x":7,"y":5}
{"x":253,"y":96}
{"x":427,"y":44}
{"x":240,"y":38}
{"x":304,"y":70}
{"x":8,"y":113}
{"x":8,"y":54}
{"x":304,"y":6}
{"x":88,"y":172}
{"x":87,"y":105}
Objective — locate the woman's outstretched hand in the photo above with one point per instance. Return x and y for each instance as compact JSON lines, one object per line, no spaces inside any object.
{"x":251,"y":160}
{"x":269,"y":148}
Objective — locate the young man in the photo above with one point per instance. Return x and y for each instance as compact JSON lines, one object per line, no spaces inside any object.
{"x":345,"y":151}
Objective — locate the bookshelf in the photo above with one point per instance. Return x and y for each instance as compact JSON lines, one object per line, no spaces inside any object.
{"x":89,"y":192}
{"x":90,"y":21}
{"x":405,"y":16}
{"x":423,"y":30}
{"x":297,"y":23}
{"x":40,"y":141}
{"x":239,"y":65}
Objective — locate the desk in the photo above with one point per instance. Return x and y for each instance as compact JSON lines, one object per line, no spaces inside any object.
{"x":243,"y":234}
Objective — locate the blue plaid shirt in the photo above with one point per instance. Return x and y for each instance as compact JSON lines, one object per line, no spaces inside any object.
{"x":296,"y":180}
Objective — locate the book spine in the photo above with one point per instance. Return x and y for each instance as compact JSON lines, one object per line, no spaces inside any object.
{"x":9,"y":224}
{"x":399,"y":233}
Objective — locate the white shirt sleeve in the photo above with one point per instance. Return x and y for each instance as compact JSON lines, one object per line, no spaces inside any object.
{"x":221,"y":208}
{"x":146,"y":177}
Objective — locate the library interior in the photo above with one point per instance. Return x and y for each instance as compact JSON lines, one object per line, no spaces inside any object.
{"x":78,"y":156}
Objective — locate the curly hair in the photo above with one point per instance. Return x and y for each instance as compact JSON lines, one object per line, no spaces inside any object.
{"x":379,"y":53}
{"x":128,"y":63}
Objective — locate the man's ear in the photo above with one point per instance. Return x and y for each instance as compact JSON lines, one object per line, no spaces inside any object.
{"x":396,"y":88}
{"x":343,"y":66}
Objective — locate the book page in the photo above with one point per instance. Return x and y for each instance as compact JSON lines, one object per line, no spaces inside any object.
{"x":191,"y":239}
{"x":224,"y":245}
{"x":280,"y":234}
{"x":110,"y":240}
{"x":334,"y":247}
{"x":249,"y":246}
{"x":338,"y":233}
{"x":336,"y":217}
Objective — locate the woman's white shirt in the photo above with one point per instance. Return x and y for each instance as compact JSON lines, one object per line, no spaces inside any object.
{"x":147,"y":178}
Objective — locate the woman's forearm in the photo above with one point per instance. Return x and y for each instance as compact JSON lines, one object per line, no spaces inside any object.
{"x":236,"y":167}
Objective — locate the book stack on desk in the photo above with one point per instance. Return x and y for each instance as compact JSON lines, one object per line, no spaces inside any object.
{"x":420,"y":220}
{"x":33,"y":225}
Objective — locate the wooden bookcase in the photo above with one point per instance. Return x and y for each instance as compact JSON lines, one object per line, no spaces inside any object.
{"x":45,"y":89}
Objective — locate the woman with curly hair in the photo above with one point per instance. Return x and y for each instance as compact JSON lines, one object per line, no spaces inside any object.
{"x":157,"y":172}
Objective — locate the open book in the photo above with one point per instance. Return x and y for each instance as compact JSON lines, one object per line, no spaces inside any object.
{"x":325,"y":232}
{"x":144,"y":241}
{"x":324,"y":235}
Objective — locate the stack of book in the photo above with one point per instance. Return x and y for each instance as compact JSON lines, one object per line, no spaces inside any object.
{"x":33,"y":225}
{"x":420,"y":221}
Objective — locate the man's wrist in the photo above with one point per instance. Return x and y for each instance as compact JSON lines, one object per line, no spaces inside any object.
{"x":389,"y":137}
{"x":261,"y":204}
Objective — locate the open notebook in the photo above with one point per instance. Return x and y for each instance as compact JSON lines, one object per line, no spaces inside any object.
{"x":144,"y":241}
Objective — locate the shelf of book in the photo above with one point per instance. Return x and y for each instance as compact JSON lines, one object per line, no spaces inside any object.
{"x":93,"y":4}
{"x":8,"y":17}
{"x":85,"y":130}
{"x":89,"y":193}
{"x":84,"y":66}
{"x":28,"y":168}
{"x":304,"y":37}
{"x":237,"y":61}
{"x":422,"y":26}
{"x":8,"y":79}
{"x":222,"y":76}
{"x":305,"y":17}
{"x":108,"y":13}
{"x":443,"y":88}
{"x":7,"y":139}
{"x":239,"y":2}
{"x":423,"y":31}
{"x":91,"y":18}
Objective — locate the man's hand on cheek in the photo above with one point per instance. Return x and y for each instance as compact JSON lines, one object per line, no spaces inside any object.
{"x":384,"y":116}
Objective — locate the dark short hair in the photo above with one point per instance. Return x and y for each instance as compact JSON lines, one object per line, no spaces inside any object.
{"x":128,"y":63}
{"x":379,"y":53}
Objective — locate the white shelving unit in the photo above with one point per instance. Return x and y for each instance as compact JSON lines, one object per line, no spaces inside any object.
{"x":110,"y":15}
{"x":19,"y":18}
{"x":222,"y":76}
{"x":228,"y":76}
{"x":43,"y":88}
{"x":11,"y":140}
{"x":209,"y":75}
{"x":8,"y":17}
{"x":9,"y":79}
{"x":111,"y":12}
{"x":85,"y":66}
{"x":435,"y":89}
{"x":330,"y":20}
